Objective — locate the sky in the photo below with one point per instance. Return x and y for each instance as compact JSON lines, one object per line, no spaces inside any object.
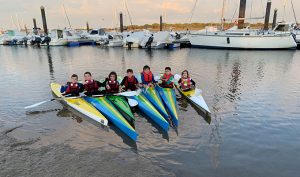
{"x":104,"y":13}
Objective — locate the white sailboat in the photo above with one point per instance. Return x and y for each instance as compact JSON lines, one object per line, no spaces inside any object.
{"x":242,"y":39}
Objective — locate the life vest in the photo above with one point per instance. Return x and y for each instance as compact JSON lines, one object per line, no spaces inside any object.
{"x":72,"y":89}
{"x":114,"y":86}
{"x":91,"y":86}
{"x":130,"y":83}
{"x":185,"y":83}
{"x":166,"y":80}
{"x":148,"y":77}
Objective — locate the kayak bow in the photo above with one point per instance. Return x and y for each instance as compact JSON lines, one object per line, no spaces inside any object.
{"x":146,"y":107}
{"x":169,"y":98}
{"x":80,"y":105}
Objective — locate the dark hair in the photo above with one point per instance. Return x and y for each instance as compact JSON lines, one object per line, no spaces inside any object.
{"x":74,"y":75}
{"x":167,"y":68}
{"x":146,"y":67}
{"x":188,"y":75}
{"x":88,"y":73}
{"x":129,"y":70}
{"x":112,"y":73}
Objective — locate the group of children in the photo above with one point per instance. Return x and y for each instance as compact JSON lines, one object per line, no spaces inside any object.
{"x":129,"y":82}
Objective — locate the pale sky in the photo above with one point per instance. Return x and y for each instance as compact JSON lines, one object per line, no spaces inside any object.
{"x":101,"y":13}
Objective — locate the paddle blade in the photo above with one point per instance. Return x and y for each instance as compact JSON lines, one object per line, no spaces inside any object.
{"x":128,"y":93}
{"x":37,"y":104}
{"x":177,"y":77}
{"x":132,"y":102}
{"x":156,"y":78}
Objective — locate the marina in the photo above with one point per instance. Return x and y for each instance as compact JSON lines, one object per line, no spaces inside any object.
{"x":222,"y":100}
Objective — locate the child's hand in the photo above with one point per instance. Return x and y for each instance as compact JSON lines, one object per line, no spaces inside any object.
{"x":108,"y":87}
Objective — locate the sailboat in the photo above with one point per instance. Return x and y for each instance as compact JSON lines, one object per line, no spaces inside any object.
{"x":243,"y":38}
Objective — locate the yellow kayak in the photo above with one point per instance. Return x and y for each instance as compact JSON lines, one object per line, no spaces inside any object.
{"x":80,"y":105}
{"x":195,"y":96}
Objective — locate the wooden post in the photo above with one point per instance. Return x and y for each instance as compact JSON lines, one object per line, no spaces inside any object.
{"x":267,"y":16}
{"x":242,"y":14}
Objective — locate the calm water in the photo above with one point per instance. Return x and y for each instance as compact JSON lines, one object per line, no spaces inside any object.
{"x":254,"y":97}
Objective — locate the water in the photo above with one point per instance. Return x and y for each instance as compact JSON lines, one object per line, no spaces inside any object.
{"x":253,"y":95}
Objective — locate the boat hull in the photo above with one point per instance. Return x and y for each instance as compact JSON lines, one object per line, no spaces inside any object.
{"x":196,"y":99}
{"x":121,"y":104}
{"x":147,"y":108}
{"x":80,"y":105}
{"x":110,"y":112}
{"x":169,"y":98}
{"x":260,"y":42}
{"x":153,"y":96}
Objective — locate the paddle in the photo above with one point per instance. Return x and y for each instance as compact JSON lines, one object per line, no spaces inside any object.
{"x":127,"y":94}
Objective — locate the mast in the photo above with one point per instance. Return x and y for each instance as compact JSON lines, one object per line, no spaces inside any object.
{"x":67,"y":15}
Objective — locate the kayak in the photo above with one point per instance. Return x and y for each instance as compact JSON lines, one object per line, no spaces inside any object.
{"x":169,"y":98}
{"x":146,"y":107}
{"x":108,"y":109}
{"x":80,"y":105}
{"x":153,"y":96}
{"x":122,"y":105}
{"x":195,"y":96}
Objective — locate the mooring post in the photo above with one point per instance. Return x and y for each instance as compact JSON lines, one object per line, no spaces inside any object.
{"x":121,"y":22}
{"x":242,"y":12}
{"x":34,"y":27}
{"x":267,"y":16}
{"x":160,"y":23}
{"x":274,"y":18}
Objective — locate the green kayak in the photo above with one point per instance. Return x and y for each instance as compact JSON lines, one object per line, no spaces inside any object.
{"x":122,"y":105}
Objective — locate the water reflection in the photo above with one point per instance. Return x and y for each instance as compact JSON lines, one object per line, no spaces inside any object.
{"x":50,"y":64}
{"x":235,"y":82}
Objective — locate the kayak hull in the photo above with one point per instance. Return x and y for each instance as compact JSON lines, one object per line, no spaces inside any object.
{"x":169,"y":98}
{"x":80,"y":105}
{"x":108,"y":110}
{"x":153,"y":96}
{"x":123,"y":107}
{"x":147,"y":108}
{"x":196,"y":99}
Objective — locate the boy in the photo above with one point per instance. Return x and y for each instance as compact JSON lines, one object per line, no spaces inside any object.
{"x":167,"y":78}
{"x":91,"y":86}
{"x":129,"y":82}
{"x":72,"y":88}
{"x":147,"y":77}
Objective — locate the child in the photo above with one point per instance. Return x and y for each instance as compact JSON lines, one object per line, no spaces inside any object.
{"x":185,"y":82}
{"x":111,"y":83}
{"x":147,"y":77}
{"x":72,"y":88}
{"x":167,"y":78}
{"x":91,"y":86}
{"x":129,"y":82}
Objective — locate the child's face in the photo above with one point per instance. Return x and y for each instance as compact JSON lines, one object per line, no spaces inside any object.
{"x":185,"y":74}
{"x":167,"y":71}
{"x":112,"y":77}
{"x":74,"y":79}
{"x":87,"y":77}
{"x":147,"y":71}
{"x":129,"y":74}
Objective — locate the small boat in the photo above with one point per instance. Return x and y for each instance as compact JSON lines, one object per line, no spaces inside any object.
{"x":80,"y":105}
{"x":146,"y":107}
{"x":122,"y":105}
{"x":110,"y":112}
{"x":169,"y":98}
{"x":195,"y":96}
{"x":113,"y":40}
